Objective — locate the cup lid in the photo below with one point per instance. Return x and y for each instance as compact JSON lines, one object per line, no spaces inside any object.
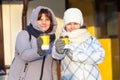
{"x":64,"y":37}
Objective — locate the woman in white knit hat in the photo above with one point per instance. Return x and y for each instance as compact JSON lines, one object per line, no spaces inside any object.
{"x":80,"y":59}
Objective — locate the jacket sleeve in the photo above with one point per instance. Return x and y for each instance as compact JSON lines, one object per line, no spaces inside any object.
{"x":89,"y":52}
{"x":25,"y":49}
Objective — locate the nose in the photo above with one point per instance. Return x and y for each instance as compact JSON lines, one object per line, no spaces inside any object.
{"x":44,"y":21}
{"x":72,"y":26}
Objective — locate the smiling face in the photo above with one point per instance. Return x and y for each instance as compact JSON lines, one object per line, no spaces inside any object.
{"x":44,"y":22}
{"x":72,"y":26}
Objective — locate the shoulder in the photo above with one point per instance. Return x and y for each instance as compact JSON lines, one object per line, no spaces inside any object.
{"x":92,"y":40}
{"x":22,"y":34}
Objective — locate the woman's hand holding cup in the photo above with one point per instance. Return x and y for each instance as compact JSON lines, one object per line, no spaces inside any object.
{"x":65,"y":39}
{"x":46,"y":41}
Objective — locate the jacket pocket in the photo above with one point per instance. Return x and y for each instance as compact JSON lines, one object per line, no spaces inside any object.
{"x":24,"y":72}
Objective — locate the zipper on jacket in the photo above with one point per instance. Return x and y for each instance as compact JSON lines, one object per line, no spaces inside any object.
{"x":26,"y":64}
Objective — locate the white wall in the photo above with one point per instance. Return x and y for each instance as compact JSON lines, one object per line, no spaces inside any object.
{"x":12,"y":21}
{"x":11,"y":27}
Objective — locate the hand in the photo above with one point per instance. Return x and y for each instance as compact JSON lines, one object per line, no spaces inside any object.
{"x":39,"y":44}
{"x":60,"y":44}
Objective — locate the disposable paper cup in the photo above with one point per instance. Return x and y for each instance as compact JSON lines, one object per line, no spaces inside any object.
{"x":46,"y":41}
{"x":65,"y":39}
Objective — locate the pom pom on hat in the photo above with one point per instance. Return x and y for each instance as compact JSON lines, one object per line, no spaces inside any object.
{"x":73,"y":15}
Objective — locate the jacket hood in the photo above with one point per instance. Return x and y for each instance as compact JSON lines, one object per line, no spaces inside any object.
{"x":34,"y":17}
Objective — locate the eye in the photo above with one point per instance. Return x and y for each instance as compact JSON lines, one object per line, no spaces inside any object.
{"x":40,"y":19}
{"x":47,"y":19}
{"x":76,"y":24}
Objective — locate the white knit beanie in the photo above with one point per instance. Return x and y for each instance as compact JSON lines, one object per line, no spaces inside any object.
{"x":73,"y":15}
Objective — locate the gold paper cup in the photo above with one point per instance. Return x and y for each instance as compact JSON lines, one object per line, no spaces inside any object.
{"x":65,"y":39}
{"x":46,"y":41}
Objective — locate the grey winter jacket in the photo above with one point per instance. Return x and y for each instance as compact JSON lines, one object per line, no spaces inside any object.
{"x":27,"y":62}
